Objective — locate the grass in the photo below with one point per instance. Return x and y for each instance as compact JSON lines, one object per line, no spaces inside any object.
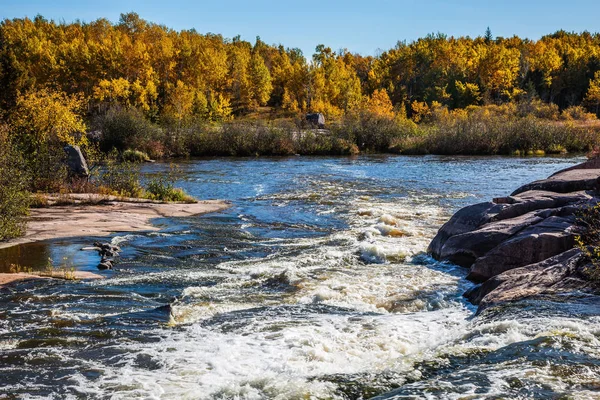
{"x":134,"y":156}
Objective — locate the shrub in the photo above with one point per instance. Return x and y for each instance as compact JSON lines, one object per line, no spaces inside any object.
{"x":14,"y":197}
{"x":134,"y":156}
{"x":588,"y":240}
{"x":119,"y":178}
{"x":162,"y":187}
{"x":577,"y":113}
{"x":538,"y":109}
{"x":373,"y":132}
{"x":127,"y":128}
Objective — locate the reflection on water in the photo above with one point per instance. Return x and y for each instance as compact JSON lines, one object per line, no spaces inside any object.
{"x":313,"y":285}
{"x":58,"y":253}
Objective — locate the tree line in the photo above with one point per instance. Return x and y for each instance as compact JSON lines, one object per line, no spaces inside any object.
{"x":175,"y":75}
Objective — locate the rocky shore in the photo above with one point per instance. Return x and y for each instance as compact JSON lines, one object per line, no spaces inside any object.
{"x":523,"y":245}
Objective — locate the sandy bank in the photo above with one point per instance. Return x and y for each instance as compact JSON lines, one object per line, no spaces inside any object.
{"x":93,"y":215}
{"x":6,"y":278}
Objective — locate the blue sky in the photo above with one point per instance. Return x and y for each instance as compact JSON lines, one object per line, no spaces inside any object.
{"x":358,"y":25}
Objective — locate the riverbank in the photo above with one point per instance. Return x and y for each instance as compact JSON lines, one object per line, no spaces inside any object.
{"x":8,"y":278}
{"x":97,"y":215}
{"x":526,"y":245}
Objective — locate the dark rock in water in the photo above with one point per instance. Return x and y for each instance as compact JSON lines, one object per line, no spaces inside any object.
{"x":76,"y":162}
{"x":106,"y":251}
{"x":465,"y":248}
{"x":465,"y":220}
{"x":522,"y":244}
{"x":105,"y":265}
{"x":561,"y":273}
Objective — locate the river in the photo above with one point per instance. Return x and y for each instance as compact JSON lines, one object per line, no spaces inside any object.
{"x":314,"y":284}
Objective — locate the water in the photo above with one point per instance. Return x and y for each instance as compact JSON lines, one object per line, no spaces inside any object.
{"x":313,"y":284}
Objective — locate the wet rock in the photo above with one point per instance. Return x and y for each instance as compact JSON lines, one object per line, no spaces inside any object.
{"x":106,"y":251}
{"x":465,"y":220}
{"x":105,"y":265}
{"x":464,"y":249}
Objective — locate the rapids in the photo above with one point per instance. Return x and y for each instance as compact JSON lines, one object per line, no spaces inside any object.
{"x":314,"y":284}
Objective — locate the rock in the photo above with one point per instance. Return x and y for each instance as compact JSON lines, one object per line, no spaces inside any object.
{"x":465,"y":220}
{"x":76,"y":162}
{"x":106,"y":252}
{"x":564,"y":182}
{"x":465,"y":248}
{"x":594,"y":163}
{"x":536,"y":243}
{"x":522,"y":244}
{"x":538,"y":200}
{"x":316,"y":119}
{"x":561,"y":273}
{"x":105,"y":265}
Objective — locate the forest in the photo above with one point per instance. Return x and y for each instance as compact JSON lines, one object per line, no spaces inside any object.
{"x":170,"y":75}
{"x":139,"y":88}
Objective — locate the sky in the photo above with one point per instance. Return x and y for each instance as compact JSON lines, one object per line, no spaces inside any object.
{"x":361,"y":26}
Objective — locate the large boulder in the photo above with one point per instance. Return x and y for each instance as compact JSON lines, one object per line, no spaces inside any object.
{"x":316,"y":119}
{"x":568,"y":181}
{"x":538,"y":242}
{"x":465,"y":220}
{"x":538,"y":200}
{"x":76,"y":162}
{"x":564,"y":272}
{"x":522,"y":243}
{"x":463,"y":249}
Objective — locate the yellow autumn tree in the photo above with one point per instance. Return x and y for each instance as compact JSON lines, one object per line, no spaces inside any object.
{"x":380,"y":105}
{"x":592,"y":97}
{"x":260,"y":81}
{"x":41,"y":123}
{"x":47,"y":116}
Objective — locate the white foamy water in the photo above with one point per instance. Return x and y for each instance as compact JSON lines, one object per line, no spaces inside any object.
{"x":341,"y":316}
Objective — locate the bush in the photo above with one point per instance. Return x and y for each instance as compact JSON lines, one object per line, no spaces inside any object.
{"x":162,"y":187}
{"x":14,"y":197}
{"x":577,"y":113}
{"x":538,"y":109}
{"x":134,"y":156}
{"x":490,"y":130}
{"x":119,"y":178}
{"x":588,"y":240}
{"x":127,"y":128}
{"x":374,"y":133}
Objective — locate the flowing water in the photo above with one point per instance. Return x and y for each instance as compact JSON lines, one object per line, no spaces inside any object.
{"x":314,"y":284}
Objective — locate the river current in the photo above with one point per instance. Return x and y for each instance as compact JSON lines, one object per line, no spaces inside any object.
{"x":314,"y":284}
